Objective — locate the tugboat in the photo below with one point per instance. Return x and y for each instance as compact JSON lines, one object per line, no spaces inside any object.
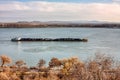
{"x":16,"y":39}
{"x":48,"y":39}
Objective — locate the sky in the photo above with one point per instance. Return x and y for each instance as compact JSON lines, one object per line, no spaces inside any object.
{"x":59,"y":10}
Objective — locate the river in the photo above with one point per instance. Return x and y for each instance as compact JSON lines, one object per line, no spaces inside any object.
{"x":100,"y":40}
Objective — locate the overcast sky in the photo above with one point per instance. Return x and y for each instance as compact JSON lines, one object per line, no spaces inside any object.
{"x":59,"y":10}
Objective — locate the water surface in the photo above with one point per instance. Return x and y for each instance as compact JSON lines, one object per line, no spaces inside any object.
{"x":100,"y":40}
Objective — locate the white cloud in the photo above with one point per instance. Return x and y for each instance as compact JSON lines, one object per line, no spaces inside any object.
{"x":42,"y":10}
{"x":13,"y":6}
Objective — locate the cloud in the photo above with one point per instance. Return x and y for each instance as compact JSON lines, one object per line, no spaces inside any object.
{"x":116,"y":0}
{"x":43,"y":10}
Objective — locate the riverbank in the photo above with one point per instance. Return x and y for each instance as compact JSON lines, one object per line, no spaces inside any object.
{"x":53,"y":25}
{"x":102,"y":67}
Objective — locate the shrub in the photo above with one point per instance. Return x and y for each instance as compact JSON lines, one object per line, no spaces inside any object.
{"x":5,"y":60}
{"x":102,"y":67}
{"x":41,"y":63}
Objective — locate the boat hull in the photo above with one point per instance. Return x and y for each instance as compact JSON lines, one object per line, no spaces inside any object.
{"x":49,"y":39}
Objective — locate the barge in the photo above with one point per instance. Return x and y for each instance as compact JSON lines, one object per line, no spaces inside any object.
{"x":48,"y":39}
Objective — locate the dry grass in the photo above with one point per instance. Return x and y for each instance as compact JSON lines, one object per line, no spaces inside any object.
{"x":102,"y":67}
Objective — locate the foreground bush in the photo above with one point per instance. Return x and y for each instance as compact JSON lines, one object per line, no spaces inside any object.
{"x":102,"y":67}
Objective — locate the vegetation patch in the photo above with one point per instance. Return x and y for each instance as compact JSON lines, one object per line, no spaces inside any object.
{"x":102,"y":67}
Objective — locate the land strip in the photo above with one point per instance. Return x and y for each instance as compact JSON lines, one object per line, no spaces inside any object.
{"x":57,"y":24}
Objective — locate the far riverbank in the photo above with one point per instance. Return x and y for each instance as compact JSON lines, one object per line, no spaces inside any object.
{"x":54,"y":25}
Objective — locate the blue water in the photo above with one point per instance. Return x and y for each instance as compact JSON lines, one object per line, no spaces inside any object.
{"x":100,"y":40}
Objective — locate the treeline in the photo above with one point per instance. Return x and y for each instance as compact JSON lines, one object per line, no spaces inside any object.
{"x":102,"y":67}
{"x":42,"y":25}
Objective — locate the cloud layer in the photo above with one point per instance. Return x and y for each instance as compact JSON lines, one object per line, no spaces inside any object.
{"x":46,"y":11}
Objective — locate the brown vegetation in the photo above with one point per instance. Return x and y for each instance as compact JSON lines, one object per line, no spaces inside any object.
{"x":102,"y":67}
{"x":4,"y":60}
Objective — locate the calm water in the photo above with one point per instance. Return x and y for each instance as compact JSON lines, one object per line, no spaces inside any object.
{"x":101,"y":40}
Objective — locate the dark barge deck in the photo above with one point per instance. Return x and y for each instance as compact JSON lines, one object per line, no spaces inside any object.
{"x":48,"y":39}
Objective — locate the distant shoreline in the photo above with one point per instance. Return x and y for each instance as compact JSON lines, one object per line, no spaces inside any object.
{"x":58,"y":25}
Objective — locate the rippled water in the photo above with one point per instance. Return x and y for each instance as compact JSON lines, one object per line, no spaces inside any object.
{"x":100,"y":40}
